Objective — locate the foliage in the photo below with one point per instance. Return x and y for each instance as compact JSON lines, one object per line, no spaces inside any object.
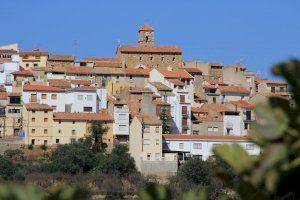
{"x":163,"y":118}
{"x":9,"y":171}
{"x":275,"y":173}
{"x":30,"y":146}
{"x":15,"y":155}
{"x":97,"y":130}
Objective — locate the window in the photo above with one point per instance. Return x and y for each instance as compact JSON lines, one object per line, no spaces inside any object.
{"x":184,"y":110}
{"x":45,"y":142}
{"x":46,"y":111}
{"x":33,"y":98}
{"x":162,"y":58}
{"x":87,"y":109}
{"x":122,"y":127}
{"x":32,"y":130}
{"x":148,"y":156}
{"x":273,"y":89}
{"x":33,"y":111}
{"x":246,"y":126}
{"x":90,"y":97}
{"x":45,"y":131}
{"x":157,"y":142}
{"x":214,"y":100}
{"x":122,"y":116}
{"x":33,"y":119}
{"x":45,"y":119}
{"x":197,"y":146}
{"x":157,"y":155}
{"x":195,"y":132}
{"x":13,"y":110}
{"x":32,"y":141}
{"x":44,"y":96}
{"x":35,"y":64}
{"x":210,"y":129}
{"x":215,"y":129}
{"x":146,"y":129}
{"x":249,"y":146}
{"x":181,"y":145}
{"x":151,"y":58}
{"x":73,"y":140}
{"x":130,"y":77}
{"x":57,"y":141}
{"x":182,"y":98}
{"x":80,"y":97}
{"x":59,"y":121}
{"x":248,"y":79}
{"x":146,"y":142}
{"x":282,"y":89}
{"x":73,"y":132}
{"x":59,"y":131}
{"x":73,"y":122}
{"x":157,"y":129}
{"x":140,"y":58}
{"x":27,"y":64}
{"x":53,"y":96}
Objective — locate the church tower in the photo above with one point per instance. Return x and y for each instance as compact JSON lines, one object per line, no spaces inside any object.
{"x":146,"y":35}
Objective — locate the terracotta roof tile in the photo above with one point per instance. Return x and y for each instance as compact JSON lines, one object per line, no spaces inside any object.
{"x":160,"y":86}
{"x":146,"y":27}
{"x":242,"y":104}
{"x":216,"y":81}
{"x":140,"y":89}
{"x":8,"y":51}
{"x":176,"y":73}
{"x":148,"y":119}
{"x":108,"y":71}
{"x":143,"y":72}
{"x":23,"y":73}
{"x":215,"y":107}
{"x":81,"y":82}
{"x":161,"y":102}
{"x":61,"y":83}
{"x":42,"y":88}
{"x":85,"y":88}
{"x":192,"y":70}
{"x":234,"y":89}
{"x":149,"y":49}
{"x":35,"y":52}
{"x":37,"y":106}
{"x":204,"y":137}
{"x":104,"y":62}
{"x":79,"y":70}
{"x":3,"y":95}
{"x":99,"y":116}
{"x":61,"y":57}
{"x":176,"y":82}
{"x":199,"y":110}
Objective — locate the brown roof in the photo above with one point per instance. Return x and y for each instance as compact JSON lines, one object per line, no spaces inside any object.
{"x":199,"y":110}
{"x":234,"y":89}
{"x":139,"y":89}
{"x":146,"y":27}
{"x":104,"y":62}
{"x":217,"y":64}
{"x":204,"y":137}
{"x":55,"y":68}
{"x":242,"y":104}
{"x":61,"y":83}
{"x":85,"y":88}
{"x":99,"y":116}
{"x":216,"y":81}
{"x":140,"y":72}
{"x":108,"y":71}
{"x":22,"y":73}
{"x":8,"y":51}
{"x":116,"y":101}
{"x":160,"y":86}
{"x":79,"y":70}
{"x":149,"y":49}
{"x":42,"y":88}
{"x":176,"y":82}
{"x":275,"y":82}
{"x":208,"y":118}
{"x":148,"y":119}
{"x":37,"y":106}
{"x":3,"y":95}
{"x":176,"y":73}
{"x":35,"y":52}
{"x":81,"y":82}
{"x":161,"y":102}
{"x":15,"y":94}
{"x":192,"y":70}
{"x":61,"y":57}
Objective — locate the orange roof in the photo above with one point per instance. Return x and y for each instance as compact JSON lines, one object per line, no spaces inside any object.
{"x":61,"y":83}
{"x":22,"y":73}
{"x":149,"y":49}
{"x":139,"y":89}
{"x":192,"y":70}
{"x":243,"y":104}
{"x":161,"y":102}
{"x":234,"y":89}
{"x":199,"y":110}
{"x":215,"y":107}
{"x":42,"y":88}
{"x":209,"y":118}
{"x":143,"y":72}
{"x":146,"y":27}
{"x":204,"y":137}
{"x":160,"y":86}
{"x":8,"y":51}
{"x":37,"y":106}
{"x":176,"y":73}
{"x":79,"y":70}
{"x":176,"y":82}
{"x":3,"y":95}
{"x":216,"y":81}
{"x":275,"y":82}
{"x":81,"y":82}
{"x":35,"y":52}
{"x":85,"y":88}
{"x":99,"y":116}
{"x":148,"y":119}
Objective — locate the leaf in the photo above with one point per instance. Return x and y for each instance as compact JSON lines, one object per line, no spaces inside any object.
{"x":271,"y":122}
{"x":235,"y":156}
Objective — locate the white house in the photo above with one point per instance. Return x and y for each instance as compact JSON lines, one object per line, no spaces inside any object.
{"x":201,"y":146}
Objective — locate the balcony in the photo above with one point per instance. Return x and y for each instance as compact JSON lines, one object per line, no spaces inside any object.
{"x":2,"y":112}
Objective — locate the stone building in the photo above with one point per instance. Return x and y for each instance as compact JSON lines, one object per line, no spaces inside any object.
{"x":33,"y":59}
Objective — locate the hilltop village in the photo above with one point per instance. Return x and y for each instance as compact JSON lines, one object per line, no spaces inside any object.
{"x":164,"y":108}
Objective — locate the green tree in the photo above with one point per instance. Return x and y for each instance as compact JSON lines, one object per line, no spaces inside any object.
{"x":97,"y":130}
{"x":164,"y":118}
{"x":44,"y":149}
{"x":9,"y":171}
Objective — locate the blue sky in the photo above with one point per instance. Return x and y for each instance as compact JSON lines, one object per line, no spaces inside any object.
{"x":256,"y":33}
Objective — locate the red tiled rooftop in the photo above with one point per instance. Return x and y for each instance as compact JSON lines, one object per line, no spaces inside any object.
{"x":22,"y":73}
{"x":146,"y":27}
{"x":161,"y":102}
{"x":176,"y":73}
{"x":35,"y":52}
{"x":37,"y":106}
{"x":243,"y":104}
{"x":3,"y":95}
{"x":204,"y":137}
{"x":81,"y":82}
{"x":192,"y":70}
{"x":42,"y":88}
{"x":234,"y":89}
{"x":99,"y":116}
{"x":61,"y":83}
{"x":79,"y":70}
{"x":176,"y":82}
{"x":139,"y":89}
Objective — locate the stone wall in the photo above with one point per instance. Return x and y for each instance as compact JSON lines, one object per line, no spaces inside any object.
{"x":10,"y":143}
{"x":159,"y":168}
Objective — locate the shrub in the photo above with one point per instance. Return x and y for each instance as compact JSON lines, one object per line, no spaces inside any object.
{"x":9,"y":171}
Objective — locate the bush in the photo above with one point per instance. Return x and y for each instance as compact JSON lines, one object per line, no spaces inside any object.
{"x":15,"y":155}
{"x":9,"y":171}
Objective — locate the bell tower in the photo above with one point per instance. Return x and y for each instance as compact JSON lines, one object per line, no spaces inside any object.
{"x":146,"y":35}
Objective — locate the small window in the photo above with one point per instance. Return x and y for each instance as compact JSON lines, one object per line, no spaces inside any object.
{"x":46,"y":111}
{"x":130,"y":77}
{"x":151,"y":58}
{"x":249,"y":146}
{"x":157,"y":129}
{"x":146,"y":142}
{"x":59,"y":131}
{"x":148,"y":156}
{"x":162,"y":58}
{"x":87,"y":109}
{"x":73,"y":140}
{"x":57,"y":141}
{"x":122,"y":116}
{"x":181,"y":145}
{"x":33,"y":111}
{"x":32,"y":130}
{"x":214,"y":100}
{"x":197,"y":146}
{"x":215,"y":129}
{"x":45,"y":131}
{"x":33,"y":119}
{"x":117,"y":77}
{"x":53,"y":107}
{"x":59,"y":121}
{"x":157,"y":142}
{"x":32,"y":141}
{"x":210,"y":129}
{"x":90,"y":97}
{"x":80,"y":97}
{"x":140,"y":58}
{"x":146,"y":129}
{"x":53,"y":96}
{"x":45,"y":142}
{"x":73,"y":132}
{"x":73,"y":122}
{"x":248,"y":79}
{"x":45,"y":119}
{"x":173,"y":59}
{"x":122,"y":127}
{"x":44,"y":96}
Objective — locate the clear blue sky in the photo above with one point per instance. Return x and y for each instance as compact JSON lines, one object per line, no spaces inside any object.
{"x":256,"y":33}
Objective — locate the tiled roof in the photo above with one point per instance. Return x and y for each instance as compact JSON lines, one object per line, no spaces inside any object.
{"x":8,"y":51}
{"x":148,"y":119}
{"x":215,"y":107}
{"x":79,"y":70}
{"x":176,"y":73}
{"x":108,"y":71}
{"x":22,"y":73}
{"x":217,"y":64}
{"x":176,"y":82}
{"x":61,"y":57}
{"x":199,"y":110}
{"x":61,"y":83}
{"x":81,"y":82}
{"x":139,"y":89}
{"x":99,"y":116}
{"x":234,"y":89}
{"x":35,"y":52}
{"x":160,"y":86}
{"x":112,"y":64}
{"x":3,"y":95}
{"x":209,"y":118}
{"x":142,"y":72}
{"x":275,"y":82}
{"x":216,"y":81}
{"x":85,"y":88}
{"x":192,"y":70}
{"x":55,"y":68}
{"x":149,"y":49}
{"x":15,"y":94}
{"x":213,"y":137}
{"x":116,"y":101}
{"x":42,"y":88}
{"x":146,"y":27}
{"x":161,"y":102}
{"x":37,"y":106}
{"x":242,"y":104}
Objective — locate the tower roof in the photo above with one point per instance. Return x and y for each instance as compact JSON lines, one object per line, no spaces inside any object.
{"x":146,"y":27}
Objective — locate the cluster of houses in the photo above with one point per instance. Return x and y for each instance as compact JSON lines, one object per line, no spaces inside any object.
{"x":165,"y":109}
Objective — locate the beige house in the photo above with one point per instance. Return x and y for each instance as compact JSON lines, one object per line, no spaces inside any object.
{"x":33,"y":59}
{"x":145,"y":146}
